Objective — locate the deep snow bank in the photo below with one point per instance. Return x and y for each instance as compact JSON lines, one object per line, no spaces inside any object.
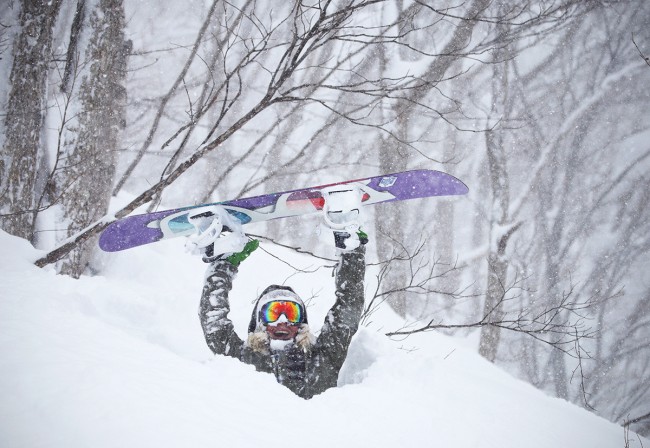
{"x":119,"y":360}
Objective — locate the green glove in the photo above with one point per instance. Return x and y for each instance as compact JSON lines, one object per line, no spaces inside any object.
{"x":249,"y":248}
{"x":363,"y":237}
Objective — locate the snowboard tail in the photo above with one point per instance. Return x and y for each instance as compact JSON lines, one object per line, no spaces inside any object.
{"x":137,"y":230}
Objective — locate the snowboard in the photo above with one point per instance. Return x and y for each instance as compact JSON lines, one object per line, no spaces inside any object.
{"x":137,"y":230}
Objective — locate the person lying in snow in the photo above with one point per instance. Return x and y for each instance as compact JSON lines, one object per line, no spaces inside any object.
{"x":279,"y":338}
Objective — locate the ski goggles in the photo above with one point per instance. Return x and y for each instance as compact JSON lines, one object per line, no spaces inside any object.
{"x":271,"y":311}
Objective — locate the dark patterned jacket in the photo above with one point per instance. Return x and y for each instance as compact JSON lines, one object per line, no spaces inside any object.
{"x":307,"y":371}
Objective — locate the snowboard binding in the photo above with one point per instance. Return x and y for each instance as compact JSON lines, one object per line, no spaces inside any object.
{"x":218,"y":233}
{"x":342,"y":217}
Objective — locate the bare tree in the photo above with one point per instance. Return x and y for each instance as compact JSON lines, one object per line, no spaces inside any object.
{"x":290,"y":64}
{"x":561,"y":326}
{"x":500,"y":225}
{"x":419,"y":280}
{"x":395,"y":152}
{"x":91,"y":156}
{"x":20,"y":162}
{"x":165,"y":99}
{"x":499,"y":28}
{"x":576,"y":131}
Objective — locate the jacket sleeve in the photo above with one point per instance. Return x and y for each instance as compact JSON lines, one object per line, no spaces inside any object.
{"x":214,"y":308}
{"x":343,"y":318}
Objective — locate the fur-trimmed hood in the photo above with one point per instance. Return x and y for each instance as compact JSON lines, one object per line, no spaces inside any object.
{"x":260,"y":342}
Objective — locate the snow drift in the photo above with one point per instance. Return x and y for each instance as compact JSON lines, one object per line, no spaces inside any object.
{"x":120,"y":360}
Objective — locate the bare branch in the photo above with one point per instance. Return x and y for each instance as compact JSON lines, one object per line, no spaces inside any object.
{"x":644,"y":57}
{"x":545,"y":325}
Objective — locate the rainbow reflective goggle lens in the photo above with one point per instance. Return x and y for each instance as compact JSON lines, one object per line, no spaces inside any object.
{"x":272,"y":311}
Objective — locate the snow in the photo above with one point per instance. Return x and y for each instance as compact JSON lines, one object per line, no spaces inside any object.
{"x":120,"y":360}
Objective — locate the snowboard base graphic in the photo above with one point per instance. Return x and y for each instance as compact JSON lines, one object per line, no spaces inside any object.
{"x":137,"y":230}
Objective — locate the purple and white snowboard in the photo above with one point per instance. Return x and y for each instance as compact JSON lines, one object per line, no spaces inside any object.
{"x":137,"y":230}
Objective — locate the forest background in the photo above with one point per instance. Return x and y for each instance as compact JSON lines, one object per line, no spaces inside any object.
{"x":541,"y":107}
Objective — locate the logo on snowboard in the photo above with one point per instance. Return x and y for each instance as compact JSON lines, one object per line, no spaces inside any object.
{"x":388,"y":181}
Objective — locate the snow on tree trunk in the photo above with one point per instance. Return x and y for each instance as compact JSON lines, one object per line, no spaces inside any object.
{"x":498,"y":176}
{"x":497,"y":263}
{"x":91,"y":159}
{"x":493,"y":308}
{"x":25,"y":114}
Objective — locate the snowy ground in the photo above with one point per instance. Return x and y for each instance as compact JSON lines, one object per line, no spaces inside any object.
{"x":119,"y":360}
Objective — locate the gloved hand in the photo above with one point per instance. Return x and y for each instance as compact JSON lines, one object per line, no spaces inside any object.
{"x":236,"y":258}
{"x":219,"y":235}
{"x":342,"y":217}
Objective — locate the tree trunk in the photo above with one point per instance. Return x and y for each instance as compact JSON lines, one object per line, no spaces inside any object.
{"x":391,"y":226}
{"x":91,"y":161}
{"x":497,"y":168}
{"x":25,"y":114}
{"x":493,"y":307}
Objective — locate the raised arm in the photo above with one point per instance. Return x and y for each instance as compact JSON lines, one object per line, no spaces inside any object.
{"x":214,"y":308}
{"x":343,"y":318}
{"x":223,"y":253}
{"x":340,"y":227}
